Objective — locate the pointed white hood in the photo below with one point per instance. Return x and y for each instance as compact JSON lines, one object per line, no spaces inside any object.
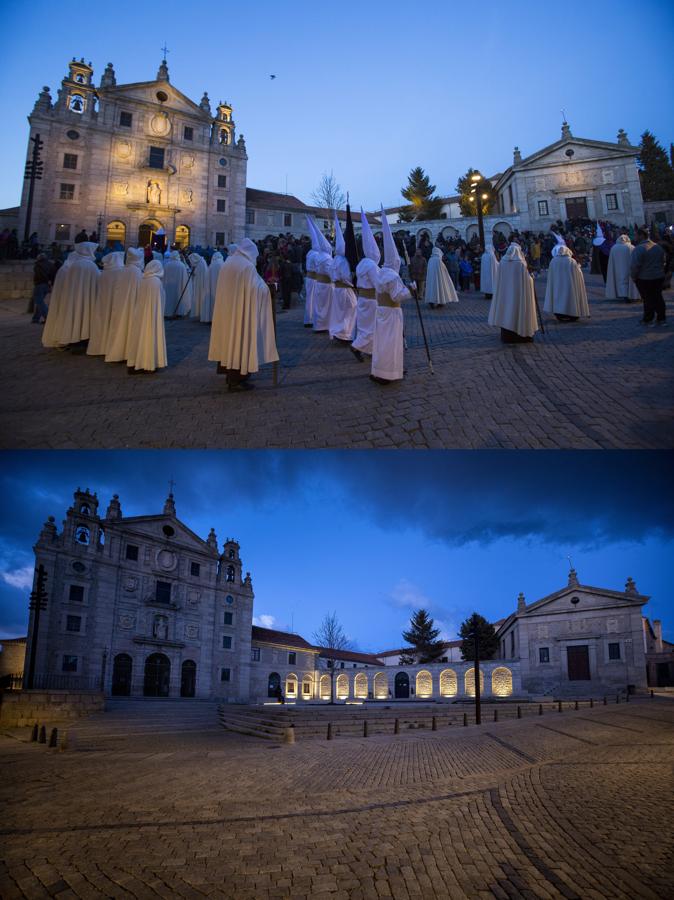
{"x":391,"y":255}
{"x":370,"y":246}
{"x":599,"y":236}
{"x":340,"y":246}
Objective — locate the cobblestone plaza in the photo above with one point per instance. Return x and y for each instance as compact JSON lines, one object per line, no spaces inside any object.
{"x":603,"y":383}
{"x":156,"y":804}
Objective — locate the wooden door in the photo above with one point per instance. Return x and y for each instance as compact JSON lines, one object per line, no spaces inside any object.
{"x":579,"y":663}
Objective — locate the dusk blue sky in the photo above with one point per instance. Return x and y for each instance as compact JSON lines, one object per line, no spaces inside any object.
{"x":373,"y":536}
{"x":367,"y":90}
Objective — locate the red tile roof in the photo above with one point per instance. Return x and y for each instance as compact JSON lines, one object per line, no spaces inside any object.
{"x":271,"y":636}
{"x":349,"y":656}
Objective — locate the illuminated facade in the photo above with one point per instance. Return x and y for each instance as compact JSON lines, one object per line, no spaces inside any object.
{"x":134,"y":160}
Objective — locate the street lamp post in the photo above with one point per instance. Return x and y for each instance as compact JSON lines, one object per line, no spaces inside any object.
{"x":476,"y":643}
{"x":475,"y":180}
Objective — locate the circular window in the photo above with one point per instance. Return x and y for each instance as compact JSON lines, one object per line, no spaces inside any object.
{"x":79,"y":567}
{"x":229,"y":599}
{"x":162,"y":96}
{"x":72,"y":134}
{"x":222,"y":161}
{"x":575,"y":600}
{"x":569,"y":153}
{"x":168,"y":531}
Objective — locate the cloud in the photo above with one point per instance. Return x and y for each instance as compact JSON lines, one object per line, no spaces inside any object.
{"x":19,"y":578}
{"x":264,"y":621}
{"x":406,"y":594}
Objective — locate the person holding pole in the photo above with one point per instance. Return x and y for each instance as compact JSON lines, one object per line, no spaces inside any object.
{"x":388,"y":342}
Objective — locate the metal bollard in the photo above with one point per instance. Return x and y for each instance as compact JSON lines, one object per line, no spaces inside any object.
{"x":540,"y":709}
{"x":519,"y":712}
{"x":328,"y":736}
{"x":396,"y":727}
{"x":465,"y":719}
{"x":42,"y":739}
{"x":591,"y":703}
{"x":365,"y":728}
{"x":33,"y":734}
{"x":54,"y":738}
{"x":289,"y":735}
{"x":559,"y":706}
{"x":434,"y":724}
{"x":496,"y":715}
{"x":576,"y":706}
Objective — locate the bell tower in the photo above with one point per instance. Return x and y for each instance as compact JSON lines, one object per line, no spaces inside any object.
{"x":223,"y":126}
{"x":78,"y":93}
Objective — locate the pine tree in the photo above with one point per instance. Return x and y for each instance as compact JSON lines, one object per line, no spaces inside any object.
{"x":420,"y":193}
{"x":467,"y":204}
{"x":422,"y":638}
{"x":656,"y":171}
{"x":486,"y":634}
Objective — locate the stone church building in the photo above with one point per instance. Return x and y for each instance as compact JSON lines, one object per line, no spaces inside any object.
{"x":133,"y":161}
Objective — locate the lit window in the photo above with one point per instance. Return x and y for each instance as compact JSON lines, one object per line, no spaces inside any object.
{"x":544,"y":654}
{"x":542,"y":207}
{"x":614,"y":651}
{"x":67,"y":192}
{"x":223,"y":137}
{"x":62,"y":233}
{"x":132,"y":552}
{"x":306,"y":687}
{"x":125,"y":119}
{"x":188,"y":133}
{"x":70,"y":160}
{"x":195,"y":569}
{"x":76,"y":593}
{"x":73,"y":623}
{"x":611,"y":202}
{"x":228,"y":618}
{"x":255,"y":654}
{"x":69,"y":664}
{"x":224,"y":674}
{"x":226,"y":642}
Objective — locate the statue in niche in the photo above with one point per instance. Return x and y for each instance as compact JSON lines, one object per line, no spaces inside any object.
{"x":160,"y":628}
{"x":153,"y":193}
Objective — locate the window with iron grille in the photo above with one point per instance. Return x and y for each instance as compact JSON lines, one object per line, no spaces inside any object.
{"x":221,"y":205}
{"x":163,"y":592}
{"x":544,"y":654}
{"x":226,"y":642}
{"x":614,"y":651}
{"x":67,"y":192}
{"x":188,"y":133}
{"x":125,"y":119}
{"x":542,"y":207}
{"x":195,"y":569}
{"x":70,"y":160}
{"x":611,"y":202}
{"x":225,"y":674}
{"x":156,"y":158}
{"x":69,"y":664}
{"x":76,"y":593}
{"x":132,"y":552}
{"x":73,"y":623}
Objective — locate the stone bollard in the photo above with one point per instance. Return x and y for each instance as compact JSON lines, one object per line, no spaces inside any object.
{"x":559,"y":706}
{"x":33,"y":734}
{"x":591,"y":703}
{"x":365,"y":728}
{"x":519,"y":712}
{"x":576,"y":705}
{"x":605,"y":701}
{"x":496,"y":715}
{"x":42,"y":739}
{"x":54,"y":738}
{"x":328,"y":736}
{"x":434,"y":724}
{"x":652,"y":694}
{"x":540,"y":709}
{"x":63,"y":746}
{"x":465,"y":719}
{"x":289,"y":735}
{"x":396,"y":727}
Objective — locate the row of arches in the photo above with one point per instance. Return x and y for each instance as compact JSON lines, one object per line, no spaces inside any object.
{"x":156,"y":676}
{"x":116,"y":233}
{"x":363,"y":687}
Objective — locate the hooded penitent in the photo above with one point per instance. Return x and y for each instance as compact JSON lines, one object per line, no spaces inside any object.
{"x":177,"y":286}
{"x":342,"y":322}
{"x":101,"y":310}
{"x":199,"y":284}
{"x":387,"y":344}
{"x":439,"y":287}
{"x":311,"y":266}
{"x":242,"y":333}
{"x":599,"y":238}
{"x":120,"y":332}
{"x":323,"y":285}
{"x":75,"y":290}
{"x":565,"y":293}
{"x":514,"y":304}
{"x":488,"y":271}
{"x":149,"y":343}
{"x":217,"y":262}
{"x":619,"y":285}
{"x":367,"y":275}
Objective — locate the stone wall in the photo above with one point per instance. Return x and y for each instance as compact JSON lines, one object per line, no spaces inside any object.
{"x":16,"y":280}
{"x":12,"y":655}
{"x":20,"y":708}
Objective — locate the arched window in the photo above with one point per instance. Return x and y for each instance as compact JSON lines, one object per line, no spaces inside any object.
{"x":291,"y":686}
{"x":231,"y":571}
{"x":115,"y":234}
{"x":232,"y":554}
{"x":274,"y":685}
{"x":82,"y":534}
{"x":360,"y":686}
{"x":342,"y":687}
{"x":79,"y":78}
{"x":469,"y":682}
{"x":380,"y":686}
{"x":501,"y":682}
{"x":76,"y":103}
{"x":424,"y":684}
{"x":449,"y":686}
{"x":188,"y":678}
{"x":307,"y":687}
{"x":223,"y":136}
{"x":85,"y":510}
{"x":182,"y":236}
{"x":325,"y":687}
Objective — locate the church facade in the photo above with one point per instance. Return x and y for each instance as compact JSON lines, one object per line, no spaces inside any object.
{"x":133,"y":161}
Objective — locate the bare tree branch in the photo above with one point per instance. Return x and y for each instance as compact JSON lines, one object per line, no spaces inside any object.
{"x":329,"y":194}
{"x":330,"y":636}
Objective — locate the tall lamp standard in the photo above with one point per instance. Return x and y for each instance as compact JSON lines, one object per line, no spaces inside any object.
{"x":475,"y":634}
{"x":476,"y":178}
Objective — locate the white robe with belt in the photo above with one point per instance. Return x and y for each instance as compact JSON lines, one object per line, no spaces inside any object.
{"x":367,"y":276}
{"x":148,"y":351}
{"x":439,"y":287}
{"x":488,"y":272}
{"x":101,"y":309}
{"x":565,"y":292}
{"x":176,"y":282}
{"x":344,"y":302}
{"x":242,"y":333}
{"x":309,"y":287}
{"x":75,"y":290}
{"x":388,"y":340}
{"x":513,"y":306}
{"x":120,"y":332}
{"x":618,"y":281}
{"x":322,"y":294}
{"x":217,"y":262}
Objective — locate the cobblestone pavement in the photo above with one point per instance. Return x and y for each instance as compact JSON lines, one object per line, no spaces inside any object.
{"x":573,"y":805}
{"x":602,"y":383}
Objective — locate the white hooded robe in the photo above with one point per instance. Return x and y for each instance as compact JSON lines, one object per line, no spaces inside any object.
{"x":344,"y":301}
{"x":388,"y":340}
{"x":217,"y":262}
{"x":513,"y":306}
{"x":148,"y":352}
{"x":488,"y":271}
{"x":101,"y":309}
{"x":199,"y":284}
{"x":75,"y":289}
{"x":439,"y":287}
{"x":619,"y":285}
{"x":177,"y":282}
{"x":565,"y":292}
{"x":242,"y":333}
{"x":120,"y":331}
{"x":322,"y":293}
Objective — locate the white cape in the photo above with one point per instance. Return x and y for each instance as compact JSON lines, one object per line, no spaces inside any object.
{"x":618,"y":281}
{"x":344,"y":302}
{"x":75,"y":289}
{"x":120,"y":331}
{"x":242,"y":333}
{"x":101,"y":309}
{"x":217,"y":262}
{"x":367,"y":274}
{"x":309,"y":286}
{"x":149,"y":344}
{"x":199,"y":285}
{"x":439,"y":287}
{"x":322,"y":297}
{"x":488,"y":272}
{"x":175,"y":281}
{"x":388,"y":341}
{"x":565,"y":292}
{"x":513,"y":306}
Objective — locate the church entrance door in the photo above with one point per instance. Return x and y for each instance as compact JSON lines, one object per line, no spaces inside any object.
{"x":576,"y":207}
{"x":121,"y":675}
{"x":157,"y":675}
{"x":147,"y":234}
{"x":579,"y":663}
{"x":402,"y":686}
{"x":274,"y":685}
{"x":188,"y":678}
